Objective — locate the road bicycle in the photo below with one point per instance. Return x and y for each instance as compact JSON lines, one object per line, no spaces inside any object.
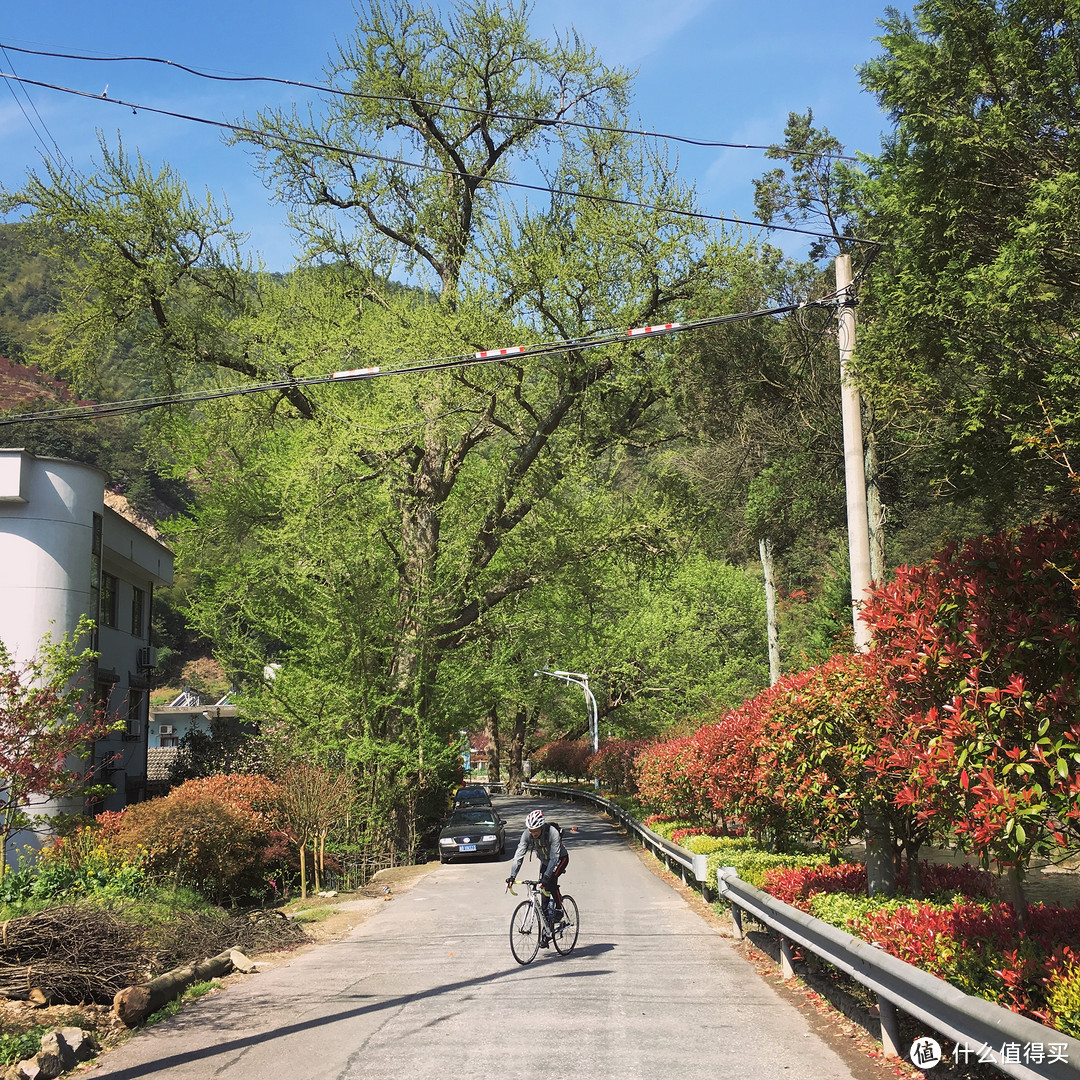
{"x":530,"y":927}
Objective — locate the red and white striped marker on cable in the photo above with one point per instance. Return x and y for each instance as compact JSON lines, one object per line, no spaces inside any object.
{"x":355,"y":373}
{"x":512,"y":351}
{"x":652,"y":329}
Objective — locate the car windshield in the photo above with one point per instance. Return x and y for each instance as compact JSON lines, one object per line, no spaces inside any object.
{"x":471,"y":817}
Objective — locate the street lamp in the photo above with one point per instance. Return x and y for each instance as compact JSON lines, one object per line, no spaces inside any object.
{"x":594,"y":715}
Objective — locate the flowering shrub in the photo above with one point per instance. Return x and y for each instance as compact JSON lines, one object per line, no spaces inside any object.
{"x":679,"y":835}
{"x":980,"y":948}
{"x":663,"y":782}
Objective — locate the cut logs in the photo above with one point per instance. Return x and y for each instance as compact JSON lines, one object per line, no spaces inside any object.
{"x":134,"y":1004}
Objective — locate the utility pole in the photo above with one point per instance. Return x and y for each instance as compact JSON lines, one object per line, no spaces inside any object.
{"x":854,"y":469}
{"x":879,"y":866}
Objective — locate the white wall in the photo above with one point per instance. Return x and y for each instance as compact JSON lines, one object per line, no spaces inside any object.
{"x":47,"y":509}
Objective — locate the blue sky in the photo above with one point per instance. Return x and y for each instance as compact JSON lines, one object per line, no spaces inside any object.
{"x":709,"y":69}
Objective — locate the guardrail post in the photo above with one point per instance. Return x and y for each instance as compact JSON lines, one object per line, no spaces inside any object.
{"x":890,"y":1028}
{"x":736,"y":922}
{"x":787,"y":959}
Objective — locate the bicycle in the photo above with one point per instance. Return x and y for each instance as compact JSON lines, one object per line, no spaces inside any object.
{"x":530,"y":928}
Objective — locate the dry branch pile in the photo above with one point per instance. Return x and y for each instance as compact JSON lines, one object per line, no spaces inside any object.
{"x":191,"y":936}
{"x":81,"y":954}
{"x":68,"y":955}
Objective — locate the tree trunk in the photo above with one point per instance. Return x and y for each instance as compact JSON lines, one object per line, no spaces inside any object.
{"x":765,"y":550}
{"x":1011,"y":888}
{"x":491,"y":729}
{"x":135,"y":1003}
{"x":875,"y":512}
{"x":517,"y":745}
{"x":880,"y":867}
{"x":422,"y":492}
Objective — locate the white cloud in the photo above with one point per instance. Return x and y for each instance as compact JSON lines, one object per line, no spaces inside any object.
{"x":623,"y":31}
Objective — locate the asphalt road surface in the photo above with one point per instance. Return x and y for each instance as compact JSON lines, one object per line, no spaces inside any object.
{"x":427,"y":988}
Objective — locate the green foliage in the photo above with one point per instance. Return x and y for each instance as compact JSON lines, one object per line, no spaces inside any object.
{"x":753,"y":863}
{"x":1063,"y":1001}
{"x":706,"y":845}
{"x":18,"y":1046}
{"x":72,"y":868}
{"x":969,"y":321}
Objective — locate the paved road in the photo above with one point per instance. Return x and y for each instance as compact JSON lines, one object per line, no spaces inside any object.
{"x":427,"y":988}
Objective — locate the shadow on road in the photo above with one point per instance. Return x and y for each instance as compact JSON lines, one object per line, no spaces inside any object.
{"x":153,"y":1068}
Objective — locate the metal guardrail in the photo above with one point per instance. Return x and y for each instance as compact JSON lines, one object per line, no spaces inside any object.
{"x":671,"y":854}
{"x":989,"y":1031}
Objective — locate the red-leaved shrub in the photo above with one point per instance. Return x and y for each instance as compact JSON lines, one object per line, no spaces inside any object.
{"x":211,"y":834}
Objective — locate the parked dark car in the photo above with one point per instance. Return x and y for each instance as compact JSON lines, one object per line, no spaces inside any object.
{"x":472,"y":831}
{"x":472,"y":796}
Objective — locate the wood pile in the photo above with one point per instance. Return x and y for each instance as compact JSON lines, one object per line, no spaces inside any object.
{"x":68,"y":955}
{"x":77,"y":955}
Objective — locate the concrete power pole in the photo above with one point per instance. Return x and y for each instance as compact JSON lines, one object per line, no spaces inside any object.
{"x":854,"y":471}
{"x":879,"y":865}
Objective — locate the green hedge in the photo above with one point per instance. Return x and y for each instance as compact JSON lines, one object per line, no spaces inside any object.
{"x":752,"y":864}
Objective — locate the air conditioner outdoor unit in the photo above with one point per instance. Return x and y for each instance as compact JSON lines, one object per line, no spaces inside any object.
{"x":167,"y":729}
{"x":147,"y":657}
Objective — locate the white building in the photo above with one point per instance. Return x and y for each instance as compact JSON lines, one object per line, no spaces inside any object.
{"x":68,"y":548}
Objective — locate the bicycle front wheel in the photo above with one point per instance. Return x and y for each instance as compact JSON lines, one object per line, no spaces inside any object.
{"x":566,"y":937}
{"x":524,"y":933}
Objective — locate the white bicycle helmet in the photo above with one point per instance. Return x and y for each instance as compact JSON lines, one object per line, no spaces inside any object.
{"x":535,"y":820}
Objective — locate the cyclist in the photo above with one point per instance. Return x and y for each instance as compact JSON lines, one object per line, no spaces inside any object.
{"x":546,"y":841}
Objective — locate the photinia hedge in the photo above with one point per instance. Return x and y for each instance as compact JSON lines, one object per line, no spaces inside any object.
{"x":980,"y":646}
{"x":614,"y":765}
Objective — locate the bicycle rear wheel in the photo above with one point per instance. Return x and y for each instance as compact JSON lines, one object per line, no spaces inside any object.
{"x":524,"y":933}
{"x":566,"y":938}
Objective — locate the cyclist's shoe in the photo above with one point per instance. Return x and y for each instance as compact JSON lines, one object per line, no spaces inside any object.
{"x":545,"y":941}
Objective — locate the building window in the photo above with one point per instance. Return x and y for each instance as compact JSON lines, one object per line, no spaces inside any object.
{"x":110,"y":586}
{"x":95,"y":577}
{"x":138,"y":609}
{"x":136,"y":712}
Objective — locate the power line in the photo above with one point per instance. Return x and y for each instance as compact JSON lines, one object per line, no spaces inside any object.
{"x":367,"y":155}
{"x":29,"y":121}
{"x":442,"y":363}
{"x":322,"y":88}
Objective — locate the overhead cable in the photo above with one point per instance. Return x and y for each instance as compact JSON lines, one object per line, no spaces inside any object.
{"x":322,"y":88}
{"x":442,"y":363}
{"x":367,"y":155}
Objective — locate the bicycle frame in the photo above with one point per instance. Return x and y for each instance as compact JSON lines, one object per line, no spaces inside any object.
{"x":531,"y":929}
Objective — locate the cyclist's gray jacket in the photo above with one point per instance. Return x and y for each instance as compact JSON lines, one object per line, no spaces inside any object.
{"x":548,"y":847}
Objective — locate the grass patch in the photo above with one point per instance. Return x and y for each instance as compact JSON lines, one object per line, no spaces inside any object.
{"x":192,"y":993}
{"x":312,"y":914}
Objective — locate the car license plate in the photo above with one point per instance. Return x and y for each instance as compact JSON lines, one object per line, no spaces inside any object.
{"x":467,"y":847}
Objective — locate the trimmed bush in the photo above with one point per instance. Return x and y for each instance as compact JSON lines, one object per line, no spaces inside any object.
{"x":752,"y":864}
{"x":211,"y":834}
